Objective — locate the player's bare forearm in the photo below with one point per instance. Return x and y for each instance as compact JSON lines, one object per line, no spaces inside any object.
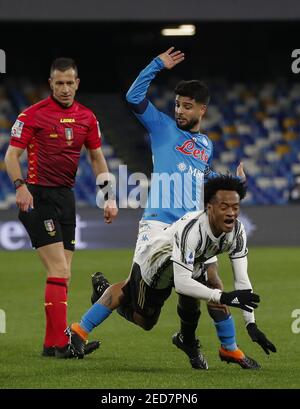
{"x":213,"y":279}
{"x":98,"y":162}
{"x":100,"y":170}
{"x":12,"y":163}
{"x":24,"y":199}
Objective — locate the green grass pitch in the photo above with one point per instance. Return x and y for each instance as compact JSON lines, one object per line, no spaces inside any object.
{"x":132,"y":358}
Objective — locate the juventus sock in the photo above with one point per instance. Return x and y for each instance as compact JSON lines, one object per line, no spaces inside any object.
{"x":56,"y":312}
{"x":188,"y":323}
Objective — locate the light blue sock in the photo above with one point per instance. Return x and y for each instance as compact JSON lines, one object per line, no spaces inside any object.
{"x":95,"y":315}
{"x":226,"y":333}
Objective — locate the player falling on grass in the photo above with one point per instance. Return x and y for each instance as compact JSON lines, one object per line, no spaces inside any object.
{"x":175,"y":258}
{"x":53,"y":131}
{"x":179,"y":149}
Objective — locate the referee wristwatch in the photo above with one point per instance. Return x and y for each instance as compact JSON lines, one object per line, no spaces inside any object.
{"x":19,"y":182}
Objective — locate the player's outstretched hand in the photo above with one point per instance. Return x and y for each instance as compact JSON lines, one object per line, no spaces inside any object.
{"x":244,"y":299}
{"x":170,"y":58}
{"x":257,"y":336}
{"x":240,"y":172}
{"x":110,"y":210}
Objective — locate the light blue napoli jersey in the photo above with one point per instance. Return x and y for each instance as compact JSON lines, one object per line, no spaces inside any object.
{"x":180,"y":158}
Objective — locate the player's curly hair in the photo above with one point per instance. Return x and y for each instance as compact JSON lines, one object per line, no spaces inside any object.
{"x":193,"y":89}
{"x":224,"y":182}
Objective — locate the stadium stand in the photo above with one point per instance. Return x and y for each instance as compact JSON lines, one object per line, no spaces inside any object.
{"x":255,"y":123}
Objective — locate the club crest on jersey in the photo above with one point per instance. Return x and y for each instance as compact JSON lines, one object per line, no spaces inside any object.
{"x":189,"y":148}
{"x":50,"y":227}
{"x":190,"y":258}
{"x":69,"y":135}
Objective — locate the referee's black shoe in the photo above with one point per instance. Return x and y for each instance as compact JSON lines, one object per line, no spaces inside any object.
{"x":89,"y":348}
{"x":197,"y":359}
{"x":66,"y":352}
{"x":48,"y":351}
{"x":99,"y":284}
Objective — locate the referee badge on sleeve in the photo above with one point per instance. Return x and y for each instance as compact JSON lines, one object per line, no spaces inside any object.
{"x":50,"y":227}
{"x":16,"y":130}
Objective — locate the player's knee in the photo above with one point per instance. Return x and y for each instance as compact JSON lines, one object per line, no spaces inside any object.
{"x":148,"y":324}
{"x":60,"y":269}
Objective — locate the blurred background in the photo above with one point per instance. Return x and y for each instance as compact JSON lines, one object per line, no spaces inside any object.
{"x":243,"y":52}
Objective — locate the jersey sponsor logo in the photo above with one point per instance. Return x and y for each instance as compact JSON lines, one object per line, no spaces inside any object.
{"x":50,"y":227}
{"x":53,"y":135}
{"x":16,"y":130}
{"x":181,"y":166}
{"x":197,"y":173}
{"x":66,"y":120}
{"x":188,"y":148}
{"x":69,"y":135}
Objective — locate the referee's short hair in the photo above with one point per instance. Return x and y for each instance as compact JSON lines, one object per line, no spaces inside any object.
{"x":63,"y":64}
{"x":193,"y":89}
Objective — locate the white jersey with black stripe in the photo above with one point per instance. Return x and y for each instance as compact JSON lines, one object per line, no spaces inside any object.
{"x":173,"y":256}
{"x":194,"y":242}
{"x":188,"y":242}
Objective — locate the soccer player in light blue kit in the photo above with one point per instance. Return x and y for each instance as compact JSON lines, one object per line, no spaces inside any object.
{"x":181,"y":154}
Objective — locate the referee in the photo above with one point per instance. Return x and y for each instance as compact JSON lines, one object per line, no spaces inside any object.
{"x":53,"y":131}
